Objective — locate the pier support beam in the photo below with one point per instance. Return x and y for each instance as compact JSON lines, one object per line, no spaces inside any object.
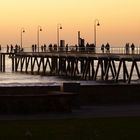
{"x":1,"y":62}
{"x":13,"y":62}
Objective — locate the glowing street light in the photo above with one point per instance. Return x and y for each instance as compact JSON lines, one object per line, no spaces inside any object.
{"x":39,"y":29}
{"x":59,"y":26}
{"x":96,"y":23}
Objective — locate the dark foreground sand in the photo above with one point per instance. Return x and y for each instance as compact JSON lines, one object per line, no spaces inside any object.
{"x":83,"y":112}
{"x":109,"y":100}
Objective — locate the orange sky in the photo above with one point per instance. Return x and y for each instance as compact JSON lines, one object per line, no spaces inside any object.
{"x":119,"y":19}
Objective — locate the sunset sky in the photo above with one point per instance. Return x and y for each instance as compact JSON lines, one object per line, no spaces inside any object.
{"x":119,"y":19}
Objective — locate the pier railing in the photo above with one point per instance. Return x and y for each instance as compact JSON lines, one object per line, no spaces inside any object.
{"x":118,"y":50}
{"x":113,"y":50}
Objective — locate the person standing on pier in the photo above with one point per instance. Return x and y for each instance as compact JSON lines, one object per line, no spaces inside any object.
{"x":102,"y":48}
{"x":127,"y":48}
{"x":35,"y":47}
{"x":87,"y":47}
{"x":16,"y":48}
{"x":133,"y":48}
{"x":11,"y":48}
{"x":55,"y":47}
{"x":7,"y":49}
{"x":107,"y":48}
{"x":76,"y":47}
{"x":50,"y":47}
{"x":42,"y":48}
{"x":45,"y":47}
{"x":67,"y":46}
{"x":92,"y":48}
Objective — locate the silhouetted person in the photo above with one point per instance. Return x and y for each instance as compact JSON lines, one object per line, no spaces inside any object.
{"x":35,"y":47}
{"x":42,"y":48}
{"x":92,"y":48}
{"x":45,"y":47}
{"x":16,"y":48}
{"x":107,"y":48}
{"x":7,"y":49}
{"x":50,"y":47}
{"x":127,"y":48}
{"x":11,"y":48}
{"x":67,"y":46}
{"x":76,"y":47}
{"x":133,"y":48}
{"x":87,"y":47}
{"x":55,"y":47}
{"x":102,"y":48}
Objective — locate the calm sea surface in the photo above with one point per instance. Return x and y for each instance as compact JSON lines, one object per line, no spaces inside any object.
{"x":17,"y":79}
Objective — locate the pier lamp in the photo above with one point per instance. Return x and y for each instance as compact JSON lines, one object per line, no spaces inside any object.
{"x":59,"y":27}
{"x":21,"y":34}
{"x":39,"y":29}
{"x":96,"y":23}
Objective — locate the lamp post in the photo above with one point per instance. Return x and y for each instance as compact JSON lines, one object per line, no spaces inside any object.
{"x":59,"y":26}
{"x":21,"y":34}
{"x":39,"y":29}
{"x":96,"y":23}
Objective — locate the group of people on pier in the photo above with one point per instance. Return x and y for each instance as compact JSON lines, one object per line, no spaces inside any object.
{"x":128,"y":47}
{"x":35,"y":48}
{"x":14,"y":49}
{"x":44,"y":48}
{"x":88,"y":47}
{"x":105,"y":48}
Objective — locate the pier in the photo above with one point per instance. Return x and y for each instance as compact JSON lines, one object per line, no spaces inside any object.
{"x":83,"y":65}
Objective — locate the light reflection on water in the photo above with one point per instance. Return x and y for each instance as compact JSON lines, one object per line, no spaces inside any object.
{"x":18,"y":79}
